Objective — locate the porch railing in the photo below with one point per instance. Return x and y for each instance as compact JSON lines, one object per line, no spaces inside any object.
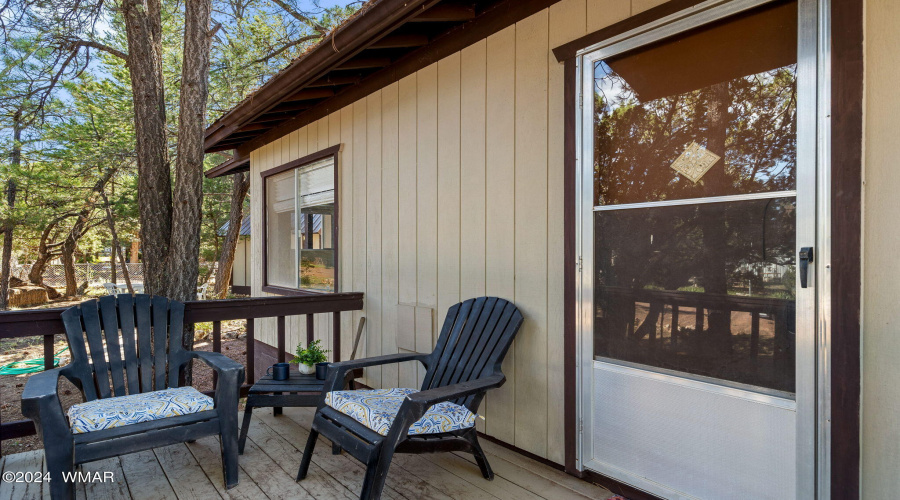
{"x":47,"y":322}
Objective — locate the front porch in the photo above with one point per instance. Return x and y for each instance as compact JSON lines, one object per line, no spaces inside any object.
{"x":269,"y":466}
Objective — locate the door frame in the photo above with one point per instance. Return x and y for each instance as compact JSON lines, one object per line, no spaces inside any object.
{"x":839,"y":149}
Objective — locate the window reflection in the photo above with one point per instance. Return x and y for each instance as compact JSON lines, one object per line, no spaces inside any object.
{"x":706,"y":289}
{"x":730,"y":88}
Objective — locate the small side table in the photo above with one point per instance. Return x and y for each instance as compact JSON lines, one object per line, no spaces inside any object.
{"x":298,"y":390}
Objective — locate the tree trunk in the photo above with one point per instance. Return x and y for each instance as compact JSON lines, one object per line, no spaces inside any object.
{"x":235,"y":217}
{"x":68,"y":258}
{"x":143,"y":27}
{"x":184,"y":252}
{"x":135,"y":248}
{"x":715,"y":237}
{"x":45,"y":253}
{"x":117,"y":248}
{"x":9,"y":225}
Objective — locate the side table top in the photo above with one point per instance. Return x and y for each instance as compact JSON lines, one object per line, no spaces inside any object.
{"x":297,"y":382}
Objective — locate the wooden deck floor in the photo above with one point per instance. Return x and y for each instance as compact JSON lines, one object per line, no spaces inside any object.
{"x":269,"y":466}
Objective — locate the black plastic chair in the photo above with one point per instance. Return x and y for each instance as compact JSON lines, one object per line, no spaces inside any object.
{"x":464,"y":365}
{"x":154,"y":359}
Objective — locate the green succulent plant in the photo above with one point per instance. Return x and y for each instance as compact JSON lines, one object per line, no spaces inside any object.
{"x":311,"y":355}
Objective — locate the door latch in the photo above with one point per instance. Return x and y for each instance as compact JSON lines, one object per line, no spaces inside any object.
{"x":806,"y":258}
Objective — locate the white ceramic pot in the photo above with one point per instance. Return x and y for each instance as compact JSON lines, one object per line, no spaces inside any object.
{"x":306,"y":369}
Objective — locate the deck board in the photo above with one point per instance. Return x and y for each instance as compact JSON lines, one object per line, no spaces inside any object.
{"x":269,"y":466}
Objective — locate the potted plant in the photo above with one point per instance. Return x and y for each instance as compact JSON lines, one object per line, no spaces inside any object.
{"x":308,"y":358}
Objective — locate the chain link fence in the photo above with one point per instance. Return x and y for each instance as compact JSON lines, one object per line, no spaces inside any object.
{"x":101,"y":272}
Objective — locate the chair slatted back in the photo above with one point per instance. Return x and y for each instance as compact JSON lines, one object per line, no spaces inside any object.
{"x":134,"y":342}
{"x":474,"y":339}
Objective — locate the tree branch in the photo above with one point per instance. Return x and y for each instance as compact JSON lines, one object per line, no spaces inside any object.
{"x":100,"y":46}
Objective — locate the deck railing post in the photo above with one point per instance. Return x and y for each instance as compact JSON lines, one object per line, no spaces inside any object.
{"x":310,"y":329}
{"x":217,"y":346}
{"x":48,"y":352}
{"x":282,"y":357}
{"x":251,"y":352}
{"x":336,"y":337}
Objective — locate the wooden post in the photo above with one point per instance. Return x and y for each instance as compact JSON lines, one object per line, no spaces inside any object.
{"x":281,"y":342}
{"x":310,"y":327}
{"x":217,"y":346}
{"x":48,"y":352}
{"x":336,"y":337}
{"x":251,"y":352}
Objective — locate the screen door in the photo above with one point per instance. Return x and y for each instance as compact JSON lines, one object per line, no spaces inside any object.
{"x":698,"y":289}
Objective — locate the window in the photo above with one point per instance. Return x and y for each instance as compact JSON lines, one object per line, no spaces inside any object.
{"x":300,"y":221}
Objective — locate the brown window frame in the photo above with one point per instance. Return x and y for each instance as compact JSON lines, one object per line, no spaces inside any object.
{"x":333,"y":151}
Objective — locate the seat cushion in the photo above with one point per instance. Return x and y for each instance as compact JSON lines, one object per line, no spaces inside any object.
{"x":135,"y":408}
{"x":377,"y":408}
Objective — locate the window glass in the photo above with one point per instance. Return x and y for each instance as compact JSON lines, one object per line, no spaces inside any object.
{"x":300,"y":243}
{"x":711,"y":112}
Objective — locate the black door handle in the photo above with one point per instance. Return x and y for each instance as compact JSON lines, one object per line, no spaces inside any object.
{"x":806,"y":258}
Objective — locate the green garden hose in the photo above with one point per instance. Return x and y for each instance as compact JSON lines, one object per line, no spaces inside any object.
{"x":29,"y":365}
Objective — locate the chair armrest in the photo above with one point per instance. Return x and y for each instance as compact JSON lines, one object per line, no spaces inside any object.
{"x":40,"y":403}
{"x":219,"y":362}
{"x":338,"y":371}
{"x":431,"y":397}
{"x":231,"y":376}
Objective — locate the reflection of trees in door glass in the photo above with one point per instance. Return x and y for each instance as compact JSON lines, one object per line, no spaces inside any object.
{"x":706,"y":289}
{"x":749,"y":121}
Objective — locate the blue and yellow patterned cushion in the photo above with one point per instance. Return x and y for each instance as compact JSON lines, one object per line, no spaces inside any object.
{"x":135,"y":408}
{"x":377,"y":408}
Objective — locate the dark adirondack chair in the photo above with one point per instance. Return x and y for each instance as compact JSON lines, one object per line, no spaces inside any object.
{"x":154,"y":360}
{"x":464,"y":365}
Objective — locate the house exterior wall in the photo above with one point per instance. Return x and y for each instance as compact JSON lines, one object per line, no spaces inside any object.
{"x":451,"y":186}
{"x":240,"y":270}
{"x":881,"y":239}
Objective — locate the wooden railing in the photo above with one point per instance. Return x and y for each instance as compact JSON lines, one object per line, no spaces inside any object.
{"x":47,"y":322}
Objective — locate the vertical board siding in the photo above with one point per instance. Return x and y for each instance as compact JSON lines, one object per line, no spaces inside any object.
{"x":426,"y":200}
{"x":346,"y":242}
{"x":373,"y":234}
{"x":566,"y":23}
{"x":601,"y":14}
{"x":531,"y":231}
{"x":359,"y":215}
{"x":500,"y":182}
{"x":448,"y":184}
{"x":406,"y":199}
{"x":451,"y":187}
{"x":473,"y":75}
{"x":390,"y":218}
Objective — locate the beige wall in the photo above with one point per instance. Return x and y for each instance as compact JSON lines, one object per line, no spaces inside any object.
{"x":240,"y":271}
{"x":452,"y":187}
{"x":881,"y":240}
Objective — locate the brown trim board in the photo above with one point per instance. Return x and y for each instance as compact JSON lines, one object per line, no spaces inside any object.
{"x":847,"y":71}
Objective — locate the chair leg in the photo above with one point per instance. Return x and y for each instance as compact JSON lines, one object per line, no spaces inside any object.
{"x":376,"y":474}
{"x":480,"y":457}
{"x":307,"y":454}
{"x":229,"y":443}
{"x":245,"y":426}
{"x":60,"y":460}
